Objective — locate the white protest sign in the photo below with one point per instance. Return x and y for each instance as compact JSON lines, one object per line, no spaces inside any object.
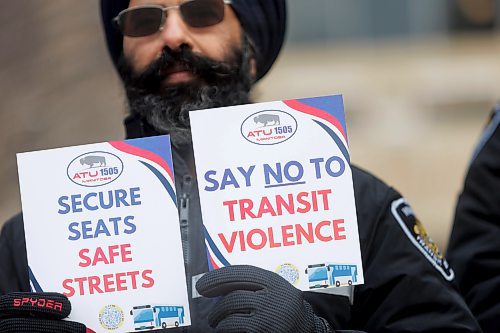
{"x":276,"y":190}
{"x":102,"y":227}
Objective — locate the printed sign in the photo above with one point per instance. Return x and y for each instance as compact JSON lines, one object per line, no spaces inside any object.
{"x":276,"y":190}
{"x":102,"y":227}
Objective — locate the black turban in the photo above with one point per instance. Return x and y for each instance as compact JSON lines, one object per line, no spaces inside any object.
{"x":264,"y":22}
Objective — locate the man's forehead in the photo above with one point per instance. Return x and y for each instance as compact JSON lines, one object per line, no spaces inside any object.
{"x":164,"y":3}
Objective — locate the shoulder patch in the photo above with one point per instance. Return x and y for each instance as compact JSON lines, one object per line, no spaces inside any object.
{"x":403,"y":213}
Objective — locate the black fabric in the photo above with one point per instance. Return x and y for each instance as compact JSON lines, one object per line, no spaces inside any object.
{"x":256,"y":300}
{"x":13,"y":260}
{"x":42,"y":305}
{"x":137,"y":127}
{"x":32,"y":325}
{"x":264,"y":21}
{"x":36,"y":313}
{"x":403,"y":292}
{"x":474,"y":246}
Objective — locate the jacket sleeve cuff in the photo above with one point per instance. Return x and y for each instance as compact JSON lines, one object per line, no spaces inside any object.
{"x":322,"y":326}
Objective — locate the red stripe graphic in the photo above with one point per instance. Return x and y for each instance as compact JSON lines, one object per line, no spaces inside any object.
{"x":125,"y":147}
{"x":214,"y":265}
{"x":296,"y":105}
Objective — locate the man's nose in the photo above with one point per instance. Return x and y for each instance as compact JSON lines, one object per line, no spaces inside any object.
{"x":175,"y":32}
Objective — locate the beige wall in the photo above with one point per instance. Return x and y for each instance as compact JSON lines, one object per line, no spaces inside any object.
{"x":414,"y":107}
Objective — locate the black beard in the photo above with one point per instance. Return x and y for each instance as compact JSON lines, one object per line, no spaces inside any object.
{"x":166,"y":109}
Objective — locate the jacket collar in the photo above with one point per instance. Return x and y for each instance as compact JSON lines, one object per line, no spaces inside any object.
{"x":138,"y":127}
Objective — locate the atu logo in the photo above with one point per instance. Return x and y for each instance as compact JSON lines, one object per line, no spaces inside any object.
{"x":269,"y":127}
{"x":95,"y":169}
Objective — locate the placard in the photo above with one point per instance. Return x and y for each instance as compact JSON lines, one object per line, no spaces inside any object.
{"x":276,"y":190}
{"x":102,"y":227}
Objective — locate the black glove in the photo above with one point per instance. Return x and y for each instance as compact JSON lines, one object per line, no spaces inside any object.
{"x":37,"y":313}
{"x":256,"y":300}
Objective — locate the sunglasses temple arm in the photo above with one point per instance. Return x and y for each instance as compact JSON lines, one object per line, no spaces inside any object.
{"x":116,"y":24}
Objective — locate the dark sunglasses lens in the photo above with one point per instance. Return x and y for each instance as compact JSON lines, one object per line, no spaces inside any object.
{"x":139,"y":22}
{"x":202,"y":13}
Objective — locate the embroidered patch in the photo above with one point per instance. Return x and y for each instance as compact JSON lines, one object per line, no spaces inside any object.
{"x":417,"y":234}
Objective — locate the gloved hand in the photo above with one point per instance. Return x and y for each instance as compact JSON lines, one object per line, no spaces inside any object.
{"x":255,"y":300}
{"x":37,"y":313}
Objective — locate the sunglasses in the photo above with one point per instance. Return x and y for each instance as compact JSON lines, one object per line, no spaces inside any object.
{"x":145,"y":20}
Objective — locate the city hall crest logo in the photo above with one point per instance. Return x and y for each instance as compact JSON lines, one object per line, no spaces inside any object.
{"x":403,"y":213}
{"x":95,"y":169}
{"x":268,"y":127}
{"x":111,"y":317}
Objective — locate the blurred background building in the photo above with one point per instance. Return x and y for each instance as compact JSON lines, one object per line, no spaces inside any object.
{"x":418,"y":78}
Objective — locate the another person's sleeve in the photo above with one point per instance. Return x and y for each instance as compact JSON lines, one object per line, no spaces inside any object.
{"x":474,"y":246}
{"x":13,"y":262}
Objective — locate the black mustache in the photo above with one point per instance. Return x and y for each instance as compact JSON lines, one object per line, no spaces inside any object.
{"x":166,"y":109}
{"x":206,"y":69}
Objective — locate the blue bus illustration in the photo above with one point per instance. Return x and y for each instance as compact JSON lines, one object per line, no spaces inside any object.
{"x":147,"y":317}
{"x":329,"y":275}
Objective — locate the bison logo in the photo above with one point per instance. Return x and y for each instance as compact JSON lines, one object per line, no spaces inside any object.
{"x":268,"y":127}
{"x":95,"y":168}
{"x":90,"y":160}
{"x":267,"y":119}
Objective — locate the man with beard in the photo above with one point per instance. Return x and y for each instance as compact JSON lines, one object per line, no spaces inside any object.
{"x":176,"y":56}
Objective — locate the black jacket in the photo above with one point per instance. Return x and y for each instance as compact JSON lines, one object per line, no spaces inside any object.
{"x":474,"y":247}
{"x":406,"y":280}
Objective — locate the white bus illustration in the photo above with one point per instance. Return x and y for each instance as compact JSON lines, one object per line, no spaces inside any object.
{"x":147,"y":317}
{"x":330,"y":275}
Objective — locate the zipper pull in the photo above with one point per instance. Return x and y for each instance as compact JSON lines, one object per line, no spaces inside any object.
{"x":184,"y":218}
{"x":184,"y":202}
